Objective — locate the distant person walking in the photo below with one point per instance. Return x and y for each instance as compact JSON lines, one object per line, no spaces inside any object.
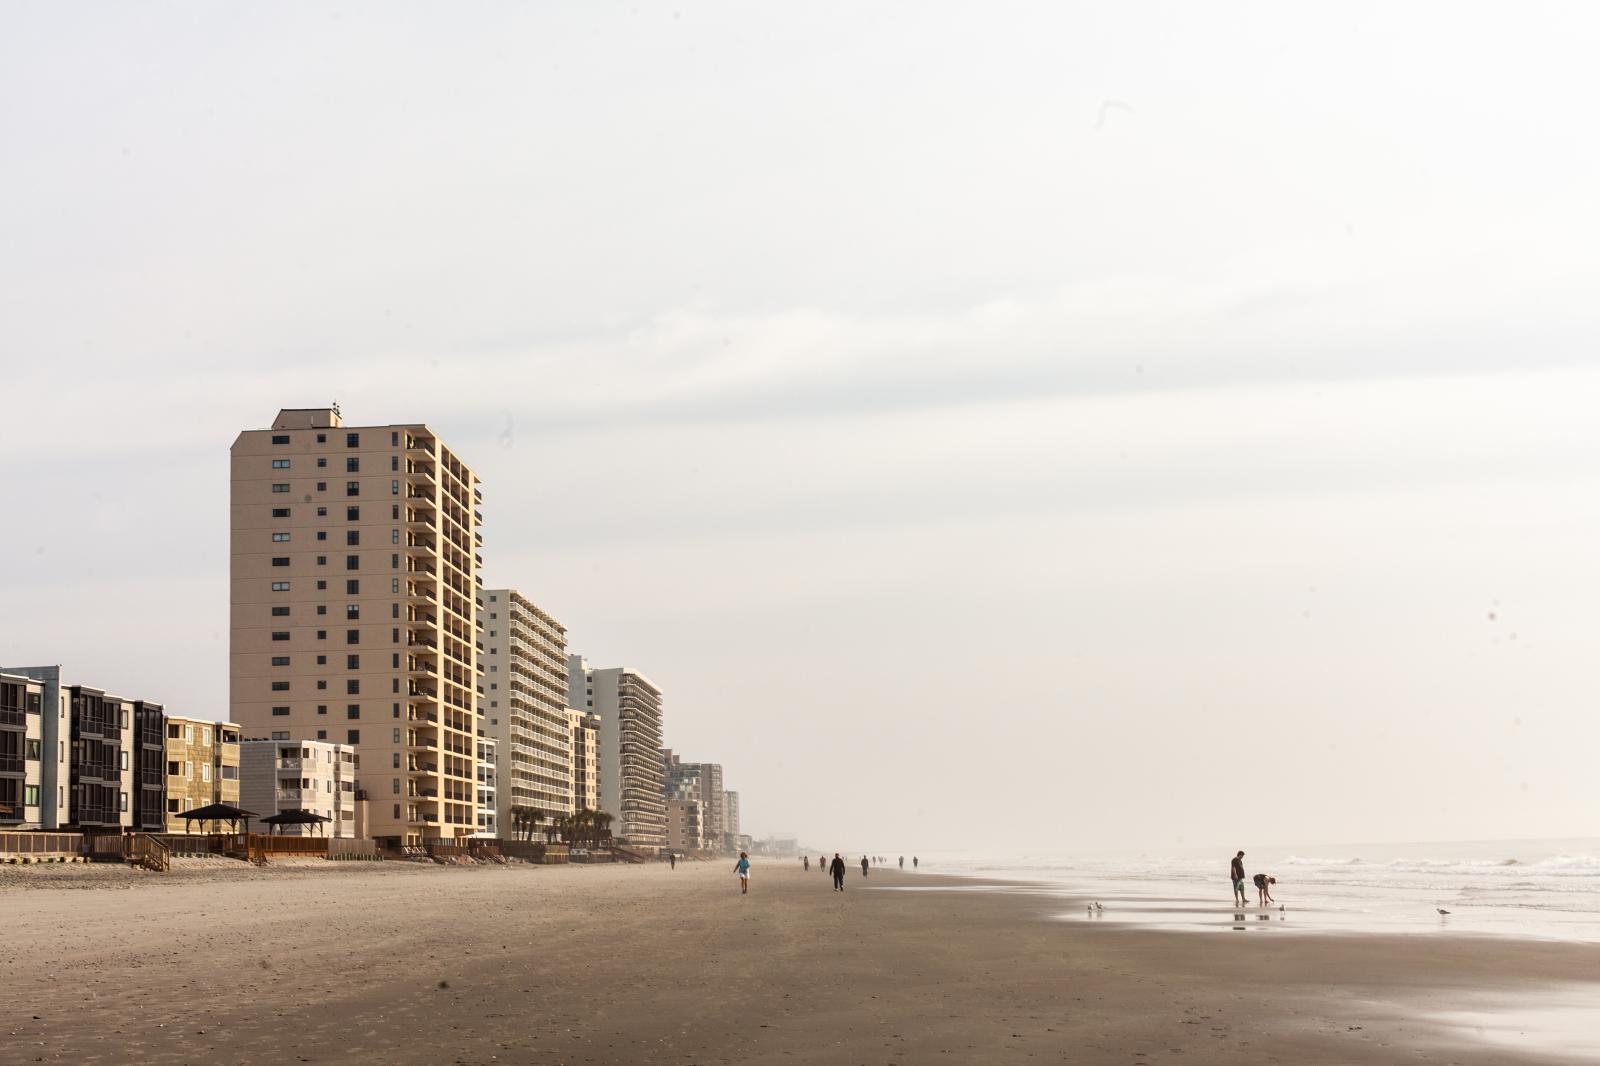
{"x":805,"y":860}
{"x":742,"y":868}
{"x":863,"y":866}
{"x":672,"y":857}
{"x":822,"y":863}
{"x":902,"y":862}
{"x":1262,"y":881}
{"x":836,"y":868}
{"x":1236,"y":873}
{"x":913,"y":862}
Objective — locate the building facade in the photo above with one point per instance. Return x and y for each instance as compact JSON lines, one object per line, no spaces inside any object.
{"x":685,"y":831}
{"x":149,"y":770}
{"x":22,"y":721}
{"x":702,"y":783}
{"x":631,"y":777}
{"x":488,"y":787}
{"x":585,"y":729}
{"x":309,"y":775}
{"x":354,"y":590}
{"x":730,"y":818}
{"x":202,"y":767}
{"x":100,"y":772}
{"x":524,"y":704}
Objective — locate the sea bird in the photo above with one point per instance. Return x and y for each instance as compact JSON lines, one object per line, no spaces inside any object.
{"x":1441,"y":910}
{"x":1098,"y":907}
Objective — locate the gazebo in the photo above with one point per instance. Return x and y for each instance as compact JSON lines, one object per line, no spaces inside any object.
{"x":296,"y":816}
{"x":218,"y":812}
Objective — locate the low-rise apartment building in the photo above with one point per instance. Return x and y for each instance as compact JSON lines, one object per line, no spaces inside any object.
{"x":22,"y":721}
{"x":685,"y":831}
{"x":585,"y":728}
{"x":309,"y":775}
{"x":202,"y":767}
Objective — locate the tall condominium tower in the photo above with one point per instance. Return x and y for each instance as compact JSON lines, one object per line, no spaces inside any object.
{"x":585,"y":728}
{"x":354,"y":597}
{"x":631,"y":775}
{"x":524,"y":705}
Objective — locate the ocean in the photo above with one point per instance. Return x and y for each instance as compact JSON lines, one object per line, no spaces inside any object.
{"x":1528,"y":888}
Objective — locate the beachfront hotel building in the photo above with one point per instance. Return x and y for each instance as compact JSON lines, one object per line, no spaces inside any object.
{"x":523,"y":707}
{"x":685,"y":831}
{"x":307,"y":775}
{"x":629,"y":740}
{"x":585,"y":729}
{"x":23,"y":751}
{"x":354,"y":591}
{"x":730,"y":818}
{"x":488,"y":786}
{"x":701,"y":782}
{"x":149,"y":777}
{"x":202,"y":767}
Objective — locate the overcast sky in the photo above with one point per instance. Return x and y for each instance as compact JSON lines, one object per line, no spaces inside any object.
{"x":1044,"y":427}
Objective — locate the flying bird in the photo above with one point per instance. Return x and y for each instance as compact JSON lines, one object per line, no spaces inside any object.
{"x":1441,"y":910}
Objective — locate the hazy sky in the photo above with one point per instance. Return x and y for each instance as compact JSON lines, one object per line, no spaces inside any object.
{"x":1041,"y":427}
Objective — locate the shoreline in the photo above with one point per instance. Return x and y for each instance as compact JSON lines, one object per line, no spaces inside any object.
{"x":626,"y":963}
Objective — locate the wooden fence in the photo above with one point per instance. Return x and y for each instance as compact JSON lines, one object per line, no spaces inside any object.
{"x":40,"y":847}
{"x":345,"y":848}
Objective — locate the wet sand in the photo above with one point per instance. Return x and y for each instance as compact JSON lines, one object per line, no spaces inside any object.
{"x":393,"y":963}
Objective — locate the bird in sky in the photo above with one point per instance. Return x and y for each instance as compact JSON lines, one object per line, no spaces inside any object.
{"x":1441,"y":910}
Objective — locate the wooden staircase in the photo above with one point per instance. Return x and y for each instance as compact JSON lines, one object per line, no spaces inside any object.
{"x":146,"y":851}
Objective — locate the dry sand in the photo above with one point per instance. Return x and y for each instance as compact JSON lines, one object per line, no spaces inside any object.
{"x":395,"y":963}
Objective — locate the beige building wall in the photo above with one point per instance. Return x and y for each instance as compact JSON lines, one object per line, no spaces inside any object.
{"x":202,"y":765}
{"x":354,"y":589}
{"x":524,"y":704}
{"x":585,"y":730}
{"x":684,"y":831}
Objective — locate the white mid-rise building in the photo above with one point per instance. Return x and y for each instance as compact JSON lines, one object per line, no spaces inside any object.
{"x":309,"y":775}
{"x":629,"y":742}
{"x":522,"y":705}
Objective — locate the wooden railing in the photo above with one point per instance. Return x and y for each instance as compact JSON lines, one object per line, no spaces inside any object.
{"x":142,"y":849}
{"x":38,"y":846}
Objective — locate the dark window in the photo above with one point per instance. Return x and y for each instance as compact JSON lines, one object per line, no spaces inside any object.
{"x":352,"y":586}
{"x":322,"y":734}
{"x":322,"y":534}
{"x":322,"y":708}
{"x":280,"y":464}
{"x":281,"y":712}
{"x":352,"y":488}
{"x":321,"y":461}
{"x":352,"y":537}
{"x":353,"y":736}
{"x":353,"y":711}
{"x":322,"y":684}
{"x":352,"y":610}
{"x":352,"y":440}
{"x":280,"y":512}
{"x":352,"y":514}
{"x":394,"y":562}
{"x":280,"y":660}
{"x":396,"y":663}
{"x":322,"y":608}
{"x":322,"y":486}
{"x":280,"y":636}
{"x":322,"y":586}
{"x":352,"y":662}
{"x":394,"y":438}
{"x":352,"y":465}
{"x":172,"y":768}
{"x":32,"y":751}
{"x":280,"y":612}
{"x":280,"y":486}
{"x":352,"y":562}
{"x":280,"y":438}
{"x":322,"y":634}
{"x":394,"y":511}
{"x":352,"y":636}
{"x":280,"y":686}
{"x":280,"y":560}
{"x":322,"y":560}
{"x":394,"y":462}
{"x":322,"y":438}
{"x":322,"y":512}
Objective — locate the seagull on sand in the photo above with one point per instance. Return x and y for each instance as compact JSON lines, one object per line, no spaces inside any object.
{"x":1441,"y":910}
{"x":1098,"y":907}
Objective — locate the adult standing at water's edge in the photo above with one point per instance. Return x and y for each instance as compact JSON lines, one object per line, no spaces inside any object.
{"x":672,"y":857}
{"x":863,"y":866}
{"x":1236,"y":873}
{"x":742,"y":868}
{"x":836,"y":868}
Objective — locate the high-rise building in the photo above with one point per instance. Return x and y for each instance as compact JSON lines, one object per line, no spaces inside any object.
{"x":730,"y":817}
{"x":523,"y":707}
{"x":488,"y":785}
{"x":354,"y":592}
{"x":702,"y":783}
{"x":629,"y":706}
{"x":585,"y":729}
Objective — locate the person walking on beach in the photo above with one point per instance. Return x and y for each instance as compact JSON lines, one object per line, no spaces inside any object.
{"x":902,"y":862}
{"x":805,"y":860}
{"x":863,"y":866}
{"x":822,"y":863}
{"x":913,"y":862}
{"x":672,"y":857}
{"x":1262,"y":881}
{"x":1236,"y":872}
{"x":836,"y":868}
{"x":742,"y":868}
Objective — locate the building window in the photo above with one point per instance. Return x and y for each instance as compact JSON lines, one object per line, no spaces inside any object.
{"x":280,"y":734}
{"x":280,"y":486}
{"x":33,"y":751}
{"x":353,"y":711}
{"x":280,"y":512}
{"x":280,"y":464}
{"x":280,"y":560}
{"x":321,"y":684}
{"x":352,"y":636}
{"x":322,"y":486}
{"x":352,"y":610}
{"x":322,"y":734}
{"x":322,"y":708}
{"x":322,"y":438}
{"x":281,"y":712}
{"x":280,"y":635}
{"x":352,"y":514}
{"x":172,"y":768}
{"x":322,"y":534}
{"x":353,"y":735}
{"x":394,"y":462}
{"x":352,"y":687}
{"x":280,"y":586}
{"x":352,"y":465}
{"x":352,"y":562}
{"x":122,"y":801}
{"x":280,"y":686}
{"x":394,"y":585}
{"x":280,"y":538}
{"x":352,"y":440}
{"x":352,"y":488}
{"x":322,"y":512}
{"x":280,"y":612}
{"x":322,"y":634}
{"x":352,"y":586}
{"x":321,"y":461}
{"x":280,"y":438}
{"x":322,"y":608}
{"x":394,"y":536}
{"x":394,"y":488}
{"x":322,"y":660}
{"x":352,"y":537}
{"x":205,"y":771}
{"x":280,"y":660}
{"x":352,"y":662}
{"x":395,"y":781}
{"x":322,"y":560}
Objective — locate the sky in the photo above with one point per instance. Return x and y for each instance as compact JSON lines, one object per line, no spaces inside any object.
{"x":1029,"y":427}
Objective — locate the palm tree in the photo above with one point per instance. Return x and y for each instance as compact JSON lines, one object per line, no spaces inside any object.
{"x":535,"y":816}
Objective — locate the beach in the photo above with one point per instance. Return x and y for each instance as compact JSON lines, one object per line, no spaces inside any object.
{"x":400,"y":963}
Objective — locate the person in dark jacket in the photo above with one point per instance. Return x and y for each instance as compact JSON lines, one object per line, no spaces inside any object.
{"x":836,"y":868}
{"x":863,"y":866}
